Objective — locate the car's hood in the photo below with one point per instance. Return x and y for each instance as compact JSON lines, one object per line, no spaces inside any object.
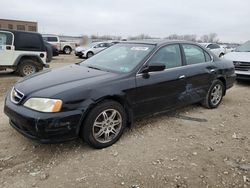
{"x":238,"y":56}
{"x":81,"y":48}
{"x":62,"y":79}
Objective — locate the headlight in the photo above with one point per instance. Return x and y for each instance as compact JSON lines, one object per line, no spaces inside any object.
{"x":44,"y":105}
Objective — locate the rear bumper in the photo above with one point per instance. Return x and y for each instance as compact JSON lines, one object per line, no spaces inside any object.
{"x":44,"y":127}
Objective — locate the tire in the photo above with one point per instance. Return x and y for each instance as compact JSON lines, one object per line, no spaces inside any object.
{"x":67,"y":50}
{"x":100,"y":129}
{"x":27,"y":67}
{"x":213,"y":98}
{"x":90,"y":54}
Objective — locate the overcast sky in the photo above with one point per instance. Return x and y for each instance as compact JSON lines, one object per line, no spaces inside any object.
{"x":230,"y":19}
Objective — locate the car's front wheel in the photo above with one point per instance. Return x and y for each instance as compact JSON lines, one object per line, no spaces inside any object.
{"x":90,"y":54}
{"x":104,"y":124}
{"x":214,"y":95}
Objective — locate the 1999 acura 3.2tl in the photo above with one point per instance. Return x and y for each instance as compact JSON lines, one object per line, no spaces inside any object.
{"x":98,"y":98}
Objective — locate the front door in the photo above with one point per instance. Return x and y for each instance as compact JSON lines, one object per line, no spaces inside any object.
{"x":6,"y":48}
{"x":159,"y":91}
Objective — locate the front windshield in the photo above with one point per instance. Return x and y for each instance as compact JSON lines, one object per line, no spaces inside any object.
{"x":119,"y":58}
{"x":244,"y":47}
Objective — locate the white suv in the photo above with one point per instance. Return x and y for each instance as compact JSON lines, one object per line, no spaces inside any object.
{"x":24,"y":52}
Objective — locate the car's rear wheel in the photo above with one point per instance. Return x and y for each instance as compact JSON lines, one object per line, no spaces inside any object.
{"x":90,"y":54}
{"x":214,"y":95}
{"x":104,"y":124}
{"x":27,"y":67}
{"x":67,"y":50}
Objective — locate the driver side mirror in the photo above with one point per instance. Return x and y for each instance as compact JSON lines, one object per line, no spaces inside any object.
{"x":156,"y":67}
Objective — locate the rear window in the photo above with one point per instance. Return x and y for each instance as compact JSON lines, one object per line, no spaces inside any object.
{"x":29,"y":42}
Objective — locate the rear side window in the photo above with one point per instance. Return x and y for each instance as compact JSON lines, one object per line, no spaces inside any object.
{"x":6,"y":38}
{"x":52,"y":39}
{"x":29,"y":42}
{"x":193,"y":54}
{"x":169,"y":55}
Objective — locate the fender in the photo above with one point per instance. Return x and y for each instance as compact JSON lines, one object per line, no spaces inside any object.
{"x":40,"y":61}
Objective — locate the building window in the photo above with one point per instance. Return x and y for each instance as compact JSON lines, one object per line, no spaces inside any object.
{"x":32,"y":28}
{"x":10,"y":26}
{"x":21,"y":27}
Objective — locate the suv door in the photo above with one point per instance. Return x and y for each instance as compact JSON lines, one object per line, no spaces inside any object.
{"x":6,"y":48}
{"x":200,"y":71}
{"x":159,"y":91}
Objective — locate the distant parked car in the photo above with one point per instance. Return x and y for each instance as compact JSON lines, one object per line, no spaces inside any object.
{"x":241,"y":60}
{"x":62,"y":46}
{"x":92,"y":49}
{"x":215,"y":48}
{"x":24,"y":52}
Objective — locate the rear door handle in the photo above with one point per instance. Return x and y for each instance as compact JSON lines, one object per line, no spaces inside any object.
{"x":182,"y":77}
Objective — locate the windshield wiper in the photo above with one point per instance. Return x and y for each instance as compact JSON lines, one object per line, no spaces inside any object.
{"x":93,"y":67}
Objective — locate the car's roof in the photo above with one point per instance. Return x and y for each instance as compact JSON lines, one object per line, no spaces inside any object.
{"x":17,"y":31}
{"x":157,"y":42}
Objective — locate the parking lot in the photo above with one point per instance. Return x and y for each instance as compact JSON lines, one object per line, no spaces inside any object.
{"x":190,"y":147}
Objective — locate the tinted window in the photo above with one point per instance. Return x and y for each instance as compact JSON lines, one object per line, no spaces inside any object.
{"x":207,"y":56}
{"x":193,"y":54}
{"x":29,"y":42}
{"x":52,"y":39}
{"x":6,"y":38}
{"x":169,"y":55}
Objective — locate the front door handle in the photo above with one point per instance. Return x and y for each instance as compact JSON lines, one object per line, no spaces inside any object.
{"x":8,"y":47}
{"x":182,"y":77}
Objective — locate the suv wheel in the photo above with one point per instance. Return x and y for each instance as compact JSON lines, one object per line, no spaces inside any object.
{"x":67,"y":50}
{"x":90,"y":54}
{"x":214,"y":95}
{"x":27,"y":67}
{"x":104,"y":125}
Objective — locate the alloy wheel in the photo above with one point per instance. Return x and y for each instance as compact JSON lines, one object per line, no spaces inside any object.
{"x":107,"y":125}
{"x":29,"y":69}
{"x":216,"y":94}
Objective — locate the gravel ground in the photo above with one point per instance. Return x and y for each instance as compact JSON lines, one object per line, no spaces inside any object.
{"x":191,"y":147}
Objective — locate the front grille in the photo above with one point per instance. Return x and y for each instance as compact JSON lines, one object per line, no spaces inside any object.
{"x":16,"y":96}
{"x":242,"y":66}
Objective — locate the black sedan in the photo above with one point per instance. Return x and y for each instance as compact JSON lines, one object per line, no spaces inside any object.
{"x":97,"y":99}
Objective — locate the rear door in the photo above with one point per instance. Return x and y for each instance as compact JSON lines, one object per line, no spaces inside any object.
{"x":159,"y":91}
{"x":200,"y":71}
{"x":6,"y":48}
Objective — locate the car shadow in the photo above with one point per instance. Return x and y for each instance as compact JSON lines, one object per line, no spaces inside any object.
{"x":10,"y":74}
{"x":243,"y":82}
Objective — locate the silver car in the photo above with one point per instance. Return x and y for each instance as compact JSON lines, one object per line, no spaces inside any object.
{"x":92,"y":49}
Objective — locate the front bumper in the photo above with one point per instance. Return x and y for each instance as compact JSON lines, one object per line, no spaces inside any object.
{"x":44,"y":127}
{"x":243,"y":75}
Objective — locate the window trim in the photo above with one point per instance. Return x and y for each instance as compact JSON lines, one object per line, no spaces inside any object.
{"x":150,"y":57}
{"x":204,"y":51}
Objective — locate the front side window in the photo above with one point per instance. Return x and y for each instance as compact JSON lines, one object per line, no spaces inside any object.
{"x":6,"y":38}
{"x":193,"y":54}
{"x":121,"y":58}
{"x":169,"y":55}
